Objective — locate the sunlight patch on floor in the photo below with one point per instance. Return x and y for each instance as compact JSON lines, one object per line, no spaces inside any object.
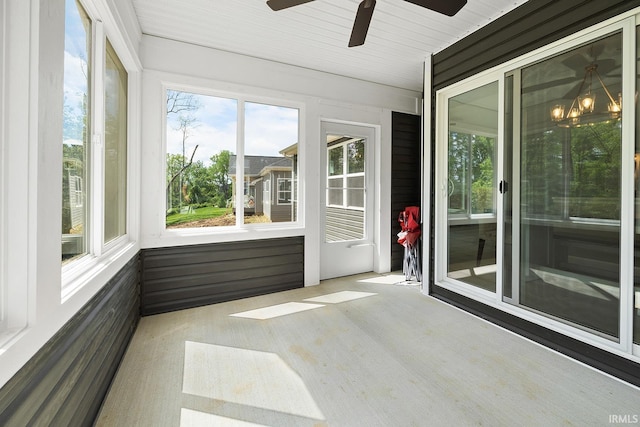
{"x":389,"y":279}
{"x":277,"y":310}
{"x":191,"y":418}
{"x":246,"y":377}
{"x":338,"y":297}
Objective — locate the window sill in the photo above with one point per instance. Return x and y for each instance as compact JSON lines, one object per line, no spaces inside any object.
{"x":88,"y":268}
{"x":9,"y":336}
{"x":204,"y":235}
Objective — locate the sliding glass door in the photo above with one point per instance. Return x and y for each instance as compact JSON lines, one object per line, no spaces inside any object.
{"x":535,"y":177}
{"x":570,"y":186}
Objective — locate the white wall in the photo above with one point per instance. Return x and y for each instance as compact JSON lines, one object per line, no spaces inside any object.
{"x":321,"y":96}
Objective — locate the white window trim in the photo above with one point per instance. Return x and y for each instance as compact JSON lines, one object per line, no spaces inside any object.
{"x":77,"y":273}
{"x":3,"y":181}
{"x":625,"y":22}
{"x":15,"y":175}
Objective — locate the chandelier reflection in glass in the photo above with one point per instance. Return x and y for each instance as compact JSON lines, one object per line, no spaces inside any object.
{"x":582,"y":110}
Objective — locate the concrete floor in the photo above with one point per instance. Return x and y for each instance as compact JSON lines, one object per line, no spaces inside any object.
{"x":357,"y":351}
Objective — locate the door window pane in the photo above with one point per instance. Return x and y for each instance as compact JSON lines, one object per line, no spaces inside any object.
{"x":346,"y":191}
{"x":334,"y":190}
{"x":335,"y":166}
{"x":355,"y":191}
{"x":570,"y":182}
{"x":355,"y":153}
{"x":75,"y":144}
{"x":473,"y":127}
{"x":115,"y":138}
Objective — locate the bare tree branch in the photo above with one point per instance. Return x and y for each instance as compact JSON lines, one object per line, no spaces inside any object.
{"x":181,"y":101}
{"x":173,"y":178}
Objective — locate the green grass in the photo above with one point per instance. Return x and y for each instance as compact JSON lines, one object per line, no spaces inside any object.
{"x":200,"y":213}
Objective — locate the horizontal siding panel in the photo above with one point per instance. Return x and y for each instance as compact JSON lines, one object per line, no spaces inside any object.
{"x":226,"y":287}
{"x":194,"y":275}
{"x":215,"y":278}
{"x":406,"y":186}
{"x":223,"y":266}
{"x":66,"y":381}
{"x":229,"y":292}
{"x":198,"y":254}
{"x":530,"y":26}
{"x":343,"y":224}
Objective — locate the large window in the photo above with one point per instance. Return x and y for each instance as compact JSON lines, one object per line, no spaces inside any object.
{"x":216,"y":169}
{"x":115,"y":138}
{"x":94,"y":145}
{"x":76,"y":132}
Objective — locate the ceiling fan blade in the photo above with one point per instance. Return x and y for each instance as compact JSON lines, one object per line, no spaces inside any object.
{"x":446,"y":7}
{"x":284,"y":4}
{"x":361,"y":24}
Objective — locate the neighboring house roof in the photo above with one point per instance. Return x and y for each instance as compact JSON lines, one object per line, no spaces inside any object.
{"x":258,"y":165}
{"x":290,"y":151}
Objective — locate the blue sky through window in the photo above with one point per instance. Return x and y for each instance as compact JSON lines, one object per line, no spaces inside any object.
{"x":268,"y":129}
{"x":76,"y":72}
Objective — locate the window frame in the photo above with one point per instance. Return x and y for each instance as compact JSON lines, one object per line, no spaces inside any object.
{"x":3,"y":180}
{"x":15,"y":122}
{"x":74,"y":273}
{"x":232,"y":232}
{"x":42,"y":295}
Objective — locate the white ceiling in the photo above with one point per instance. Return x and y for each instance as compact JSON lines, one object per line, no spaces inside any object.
{"x":315,"y":35}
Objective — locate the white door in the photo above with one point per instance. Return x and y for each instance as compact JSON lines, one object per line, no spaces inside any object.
{"x":347,"y":243}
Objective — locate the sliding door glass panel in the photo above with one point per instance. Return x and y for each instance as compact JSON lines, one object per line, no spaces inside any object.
{"x":471,"y":215}
{"x":636,"y":270}
{"x":507,"y":265}
{"x":570,"y":182}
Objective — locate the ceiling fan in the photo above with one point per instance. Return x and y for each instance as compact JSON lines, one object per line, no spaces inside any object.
{"x":365,"y":12}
